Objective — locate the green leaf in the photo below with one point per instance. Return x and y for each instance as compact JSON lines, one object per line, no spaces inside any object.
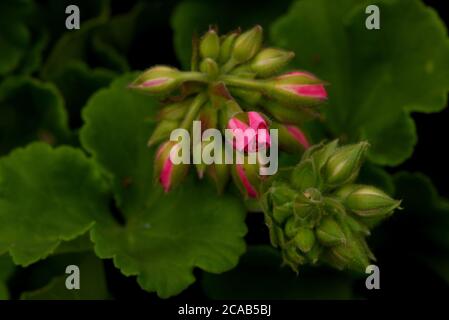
{"x":103,"y":41}
{"x":73,"y":45}
{"x":194,"y":17}
{"x":92,"y":282}
{"x":30,"y":110}
{"x":377,"y":77}
{"x":77,"y":82}
{"x":261,"y":276}
{"x":165,"y":236}
{"x":6,"y":269}
{"x":112,"y":40}
{"x":47,"y":196}
{"x":14,"y":34}
{"x":33,"y":56}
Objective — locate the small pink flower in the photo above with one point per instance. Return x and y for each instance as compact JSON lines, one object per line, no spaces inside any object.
{"x":250,"y":132}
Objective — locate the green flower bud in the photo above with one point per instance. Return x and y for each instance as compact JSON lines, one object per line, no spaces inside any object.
{"x":306,"y":211}
{"x":321,"y":155}
{"x":287,"y":114}
{"x":168,"y":174}
{"x":291,"y":227}
{"x":219,"y":173}
{"x":162,"y":131}
{"x":351,"y":255}
{"x":247,"y":178}
{"x":208,"y":117}
{"x":174,"y":111}
{"x":343,"y":192}
{"x":304,"y":239}
{"x":210,"y":45}
{"x":249,"y":97}
{"x":368,"y":201}
{"x":282,"y":194}
{"x":297,"y":88}
{"x":356,"y":227}
{"x":281,"y":213}
{"x":344,"y":165}
{"x":159,"y":80}
{"x":292,"y":257}
{"x":226,"y":47}
{"x":247,"y":45}
{"x":270,"y":60}
{"x":243,"y":71}
{"x":305,"y":176}
{"x":329,"y":232}
{"x":209,"y":67}
{"x":314,"y":254}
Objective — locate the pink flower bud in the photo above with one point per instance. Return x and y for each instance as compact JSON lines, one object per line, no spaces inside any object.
{"x":291,"y":138}
{"x":250,"y":131}
{"x":168,"y":173}
{"x":246,"y":177}
{"x":298,"y":87}
{"x":298,"y":135}
{"x":157,"y":80}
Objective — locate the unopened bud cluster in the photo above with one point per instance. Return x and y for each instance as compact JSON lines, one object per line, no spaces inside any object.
{"x":234,"y":83}
{"x":316,"y":213}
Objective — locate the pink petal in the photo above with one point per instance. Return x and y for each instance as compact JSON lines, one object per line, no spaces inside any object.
{"x":247,"y":185}
{"x":256,"y":121}
{"x":307,"y":90}
{"x":165,"y":176}
{"x":299,"y":136}
{"x":153,"y":82}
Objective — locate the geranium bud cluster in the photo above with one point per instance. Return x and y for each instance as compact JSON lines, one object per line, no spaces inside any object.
{"x":234,"y":83}
{"x":317,"y":213}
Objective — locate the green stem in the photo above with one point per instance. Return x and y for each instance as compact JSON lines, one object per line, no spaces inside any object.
{"x":243,"y":83}
{"x":229,"y":65}
{"x":194,"y":76}
{"x":194,"y":108}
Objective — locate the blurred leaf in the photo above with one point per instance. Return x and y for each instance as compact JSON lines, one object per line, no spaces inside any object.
{"x":6,"y":269}
{"x":260,"y":275}
{"x":77,"y":83}
{"x":32,"y":58}
{"x":103,"y":42}
{"x":195,"y":16}
{"x":51,"y":14}
{"x":61,"y":185}
{"x":30,"y":110}
{"x":14,"y":34}
{"x":73,"y":44}
{"x":377,"y":77}
{"x":92,"y":283}
{"x":113,"y":39}
{"x":165,"y":235}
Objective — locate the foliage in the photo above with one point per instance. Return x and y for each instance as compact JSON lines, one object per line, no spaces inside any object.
{"x":76,"y":177}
